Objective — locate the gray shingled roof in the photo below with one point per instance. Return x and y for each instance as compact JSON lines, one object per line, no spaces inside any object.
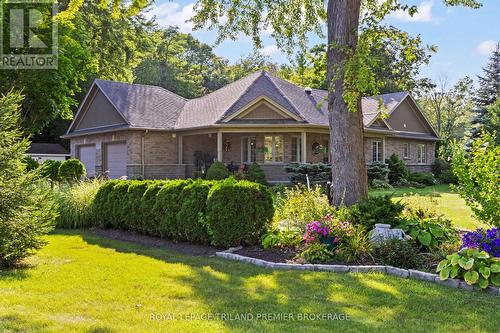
{"x":47,"y":148}
{"x":145,"y":106}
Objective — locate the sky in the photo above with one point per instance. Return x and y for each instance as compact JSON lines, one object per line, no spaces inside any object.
{"x":465,"y":37}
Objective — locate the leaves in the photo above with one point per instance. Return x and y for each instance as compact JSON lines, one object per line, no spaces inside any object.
{"x":495,"y":268}
{"x":466,"y":263}
{"x":471,"y":277}
{"x":485,"y":272}
{"x":424,"y":238}
{"x":445,"y":273}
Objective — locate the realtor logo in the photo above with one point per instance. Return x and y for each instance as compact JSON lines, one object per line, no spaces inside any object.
{"x":28,"y":34}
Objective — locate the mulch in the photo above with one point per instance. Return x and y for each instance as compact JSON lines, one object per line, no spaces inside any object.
{"x":272,"y":255}
{"x":181,"y":247}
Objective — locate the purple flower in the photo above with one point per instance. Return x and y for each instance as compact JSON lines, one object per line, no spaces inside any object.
{"x":487,"y":240}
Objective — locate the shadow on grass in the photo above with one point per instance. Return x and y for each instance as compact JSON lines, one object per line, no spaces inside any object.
{"x":374,"y":302}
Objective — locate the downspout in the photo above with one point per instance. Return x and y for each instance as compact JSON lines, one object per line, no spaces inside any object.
{"x":142,"y":154}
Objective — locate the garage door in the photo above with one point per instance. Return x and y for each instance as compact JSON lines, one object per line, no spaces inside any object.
{"x":86,"y":154}
{"x":116,"y":159}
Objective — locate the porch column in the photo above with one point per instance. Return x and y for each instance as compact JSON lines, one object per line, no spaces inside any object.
{"x":180,"y":149}
{"x":219,"y":146}
{"x":303,"y":142}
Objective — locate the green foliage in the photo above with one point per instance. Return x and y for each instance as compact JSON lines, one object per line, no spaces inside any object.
{"x":297,"y":206}
{"x":27,"y":207}
{"x":398,"y":253}
{"x":238,"y":212}
{"x":183,"y":210}
{"x":380,"y":184}
{"x":256,"y":174}
{"x":191,"y":218}
{"x":317,"y":253}
{"x":167,"y":206}
{"x":355,"y":245}
{"x":379,"y":209}
{"x":478,"y":178}
{"x":474,"y":266}
{"x":75,"y":204}
{"x":30,"y":163}
{"x":425,"y":178}
{"x":429,"y":232}
{"x":317,"y":172}
{"x":72,"y":170}
{"x":377,"y":170}
{"x":217,"y":171}
{"x":282,"y":238}
{"x":447,"y":177}
{"x":397,"y":169}
{"x":50,"y":170}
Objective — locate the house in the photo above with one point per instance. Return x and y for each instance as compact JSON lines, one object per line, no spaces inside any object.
{"x":149,"y":132}
{"x":48,"y":151}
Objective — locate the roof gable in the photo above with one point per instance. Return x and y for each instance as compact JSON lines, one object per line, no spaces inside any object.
{"x":406,"y":117}
{"x":99,"y":112}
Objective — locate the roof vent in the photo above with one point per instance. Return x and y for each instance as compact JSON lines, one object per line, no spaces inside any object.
{"x":308,"y":90}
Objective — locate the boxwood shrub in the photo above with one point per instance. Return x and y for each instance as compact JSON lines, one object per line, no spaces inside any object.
{"x":238,"y":212}
{"x":223,"y":213}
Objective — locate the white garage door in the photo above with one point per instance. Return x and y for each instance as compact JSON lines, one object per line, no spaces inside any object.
{"x":116,"y":159}
{"x":86,"y":154}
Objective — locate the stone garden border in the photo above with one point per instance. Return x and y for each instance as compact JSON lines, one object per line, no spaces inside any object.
{"x":399,"y":272}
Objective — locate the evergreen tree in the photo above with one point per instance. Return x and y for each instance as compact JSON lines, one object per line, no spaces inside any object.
{"x":487,"y":94}
{"x":27,"y":208}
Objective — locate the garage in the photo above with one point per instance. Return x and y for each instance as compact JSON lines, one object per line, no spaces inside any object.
{"x":115,"y":159}
{"x":86,"y":154}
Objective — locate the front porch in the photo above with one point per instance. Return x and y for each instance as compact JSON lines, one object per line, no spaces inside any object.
{"x":271,"y":148}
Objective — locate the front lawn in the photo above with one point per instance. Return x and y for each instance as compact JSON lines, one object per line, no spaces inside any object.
{"x":448,"y":203}
{"x":86,"y":283}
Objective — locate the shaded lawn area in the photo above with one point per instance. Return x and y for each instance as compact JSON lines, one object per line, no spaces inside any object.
{"x":448,"y":203}
{"x":85,"y":283}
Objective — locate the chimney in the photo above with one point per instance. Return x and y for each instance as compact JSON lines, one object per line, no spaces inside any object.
{"x":308,"y":90}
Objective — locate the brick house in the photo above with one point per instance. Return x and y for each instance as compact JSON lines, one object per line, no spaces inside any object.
{"x":149,"y":132}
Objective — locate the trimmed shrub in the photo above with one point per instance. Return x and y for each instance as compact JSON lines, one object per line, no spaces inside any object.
{"x":256,"y":174}
{"x":102,"y":203}
{"x":425,"y":178}
{"x":131,"y":210}
{"x":75,"y":205}
{"x":50,"y":170}
{"x":30,"y":163}
{"x":72,"y":170}
{"x":191,"y":217}
{"x":378,"y":209}
{"x":380,"y":184}
{"x":397,"y":169}
{"x":238,"y":212}
{"x":317,"y":172}
{"x":377,"y":170}
{"x":217,"y":171}
{"x":168,"y":203}
{"x":150,"y":219}
{"x":398,"y":253}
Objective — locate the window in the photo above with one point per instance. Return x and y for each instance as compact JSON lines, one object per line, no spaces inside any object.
{"x":273,"y":149}
{"x":248,"y":154}
{"x":422,"y":153}
{"x":296,"y":148}
{"x":377,"y":151}
{"x":406,"y":150}
{"x":326,"y":151}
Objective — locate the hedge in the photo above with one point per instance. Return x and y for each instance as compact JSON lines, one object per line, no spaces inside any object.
{"x":317,"y":172}
{"x":222,"y":213}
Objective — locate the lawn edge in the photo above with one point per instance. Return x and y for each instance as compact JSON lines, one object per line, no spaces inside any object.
{"x":390,"y":270}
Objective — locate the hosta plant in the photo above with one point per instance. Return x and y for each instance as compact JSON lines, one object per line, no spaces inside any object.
{"x":430,"y":232}
{"x":317,"y":253}
{"x":474,"y":266}
{"x":282,"y":238}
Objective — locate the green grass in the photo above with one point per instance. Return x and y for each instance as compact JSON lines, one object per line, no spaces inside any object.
{"x":84,"y":283}
{"x":448,"y":203}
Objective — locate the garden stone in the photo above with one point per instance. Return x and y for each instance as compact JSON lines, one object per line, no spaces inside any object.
{"x":464,"y":285}
{"x":333,"y":268}
{"x":280,"y":265}
{"x":422,"y":275}
{"x":453,"y":283}
{"x":233,"y":249}
{"x":305,"y":267}
{"x":366,"y":269}
{"x":401,"y":272}
{"x":493,"y":290}
{"x":382,"y":232}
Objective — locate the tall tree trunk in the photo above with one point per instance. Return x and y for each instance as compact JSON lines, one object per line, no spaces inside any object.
{"x":349,"y":180}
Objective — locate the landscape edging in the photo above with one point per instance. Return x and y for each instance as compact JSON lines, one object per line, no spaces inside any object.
{"x":390,"y":270}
